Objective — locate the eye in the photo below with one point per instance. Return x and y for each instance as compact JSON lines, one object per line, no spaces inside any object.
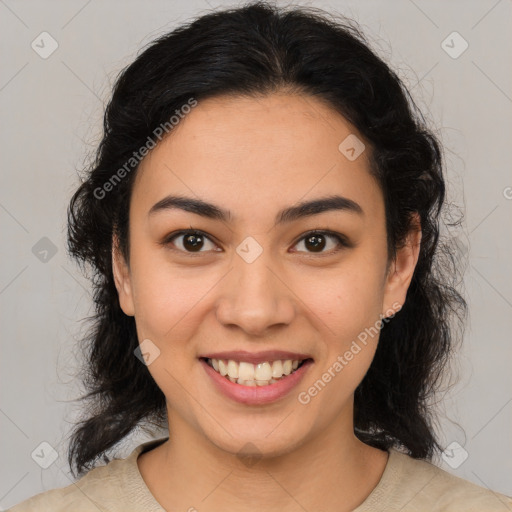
{"x":191,"y":241}
{"x":315,"y":241}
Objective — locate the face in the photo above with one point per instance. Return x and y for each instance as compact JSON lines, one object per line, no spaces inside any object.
{"x":253,"y":284}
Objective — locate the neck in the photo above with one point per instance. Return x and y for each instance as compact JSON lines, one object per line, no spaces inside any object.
{"x":333,"y":472}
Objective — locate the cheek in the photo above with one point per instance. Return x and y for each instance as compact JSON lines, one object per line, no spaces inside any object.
{"x":346,"y":310}
{"x":345,"y":302}
{"x":167,"y":298}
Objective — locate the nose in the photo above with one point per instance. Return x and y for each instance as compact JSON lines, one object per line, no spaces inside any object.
{"x":255,"y":298}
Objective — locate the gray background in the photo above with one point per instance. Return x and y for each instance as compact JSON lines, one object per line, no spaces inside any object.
{"x":51,"y":118}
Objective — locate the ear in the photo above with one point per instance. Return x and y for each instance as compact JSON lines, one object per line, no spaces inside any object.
{"x":122,"y":279}
{"x":402,"y":268}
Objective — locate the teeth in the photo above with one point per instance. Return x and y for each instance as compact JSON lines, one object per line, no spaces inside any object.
{"x":246,"y":382}
{"x":248,"y":374}
{"x":223,"y":368}
{"x":232,"y":369}
{"x":277,"y":369}
{"x":263,"y":371}
{"x":245,"y":371}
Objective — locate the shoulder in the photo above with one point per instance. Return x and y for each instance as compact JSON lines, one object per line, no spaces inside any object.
{"x":109,"y":488}
{"x":417,"y":485}
{"x":94,"y":491}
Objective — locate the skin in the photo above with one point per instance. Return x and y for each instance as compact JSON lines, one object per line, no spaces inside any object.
{"x":255,"y":156}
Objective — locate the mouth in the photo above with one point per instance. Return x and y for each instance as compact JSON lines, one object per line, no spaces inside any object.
{"x":262,"y":373}
{"x":256,"y":379}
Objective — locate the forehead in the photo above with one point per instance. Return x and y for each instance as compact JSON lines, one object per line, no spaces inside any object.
{"x":249,"y":154}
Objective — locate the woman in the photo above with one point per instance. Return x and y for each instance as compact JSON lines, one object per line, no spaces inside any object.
{"x":263,"y":222}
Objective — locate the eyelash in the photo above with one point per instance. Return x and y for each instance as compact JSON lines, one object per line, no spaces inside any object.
{"x":342,"y":241}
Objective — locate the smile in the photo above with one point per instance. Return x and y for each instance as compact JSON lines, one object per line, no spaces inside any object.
{"x":249,"y":374}
{"x":271,"y":376}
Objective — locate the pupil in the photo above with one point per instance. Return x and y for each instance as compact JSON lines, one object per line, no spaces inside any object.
{"x":192,"y":241}
{"x":317,"y":241}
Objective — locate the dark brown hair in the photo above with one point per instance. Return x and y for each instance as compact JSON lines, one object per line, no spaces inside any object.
{"x":252,"y":50}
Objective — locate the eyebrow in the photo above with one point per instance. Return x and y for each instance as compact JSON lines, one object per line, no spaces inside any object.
{"x":290,"y":214}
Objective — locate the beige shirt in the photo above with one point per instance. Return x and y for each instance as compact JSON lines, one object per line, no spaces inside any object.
{"x":406,"y":485}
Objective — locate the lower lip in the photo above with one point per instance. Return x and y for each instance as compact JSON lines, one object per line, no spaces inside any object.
{"x":255,"y":395}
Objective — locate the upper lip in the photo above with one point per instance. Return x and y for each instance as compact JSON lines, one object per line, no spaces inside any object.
{"x":256,"y":357}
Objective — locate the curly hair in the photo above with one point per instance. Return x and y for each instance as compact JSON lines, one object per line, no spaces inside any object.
{"x":254,"y":50}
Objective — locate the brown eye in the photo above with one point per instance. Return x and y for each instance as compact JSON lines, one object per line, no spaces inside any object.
{"x":191,"y":241}
{"x":317,"y":241}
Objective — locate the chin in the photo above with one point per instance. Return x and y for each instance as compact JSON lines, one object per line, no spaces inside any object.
{"x":258,"y":440}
